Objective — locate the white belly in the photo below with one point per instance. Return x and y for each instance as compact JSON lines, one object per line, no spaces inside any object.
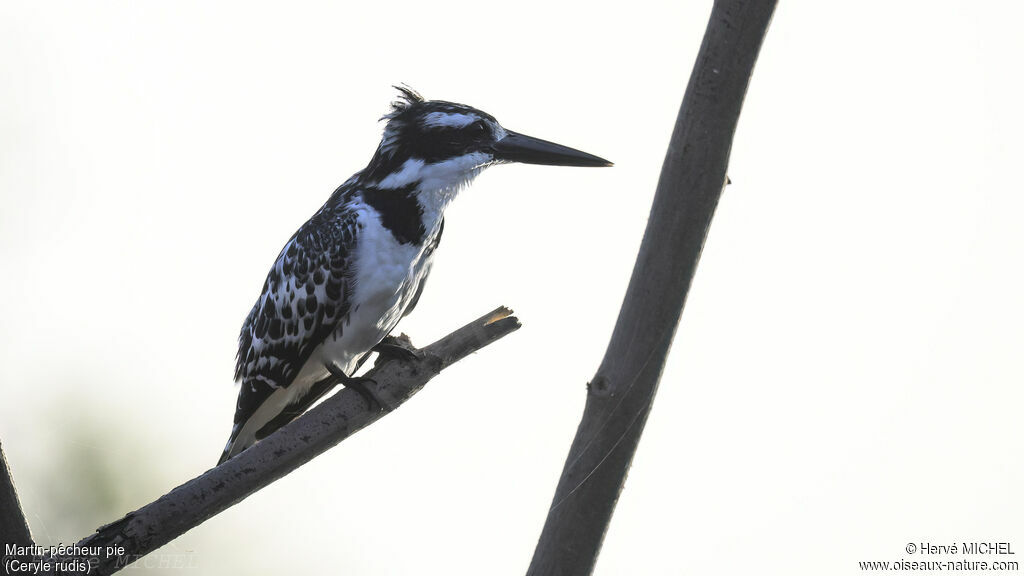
{"x":388,"y":275}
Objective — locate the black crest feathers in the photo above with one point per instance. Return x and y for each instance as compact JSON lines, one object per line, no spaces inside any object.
{"x":407,"y":97}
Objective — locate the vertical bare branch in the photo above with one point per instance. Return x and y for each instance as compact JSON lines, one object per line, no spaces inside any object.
{"x":13,"y":526}
{"x":621,"y":394}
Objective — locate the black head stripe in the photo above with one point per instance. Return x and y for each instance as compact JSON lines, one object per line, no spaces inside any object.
{"x":410,"y":133}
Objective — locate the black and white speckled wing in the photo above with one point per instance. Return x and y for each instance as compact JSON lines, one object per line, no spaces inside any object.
{"x":307,"y":293}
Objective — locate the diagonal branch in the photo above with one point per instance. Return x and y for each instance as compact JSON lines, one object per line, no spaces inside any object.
{"x":621,"y":394}
{"x":343,"y":414}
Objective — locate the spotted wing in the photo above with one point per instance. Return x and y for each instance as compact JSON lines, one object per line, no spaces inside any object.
{"x":306,"y":294}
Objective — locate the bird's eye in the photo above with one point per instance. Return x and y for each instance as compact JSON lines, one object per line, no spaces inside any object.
{"x":477,"y":128}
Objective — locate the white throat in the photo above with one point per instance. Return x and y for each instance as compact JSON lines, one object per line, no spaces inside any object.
{"x":439,"y":182}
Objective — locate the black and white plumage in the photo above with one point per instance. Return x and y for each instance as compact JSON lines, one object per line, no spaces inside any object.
{"x":350,"y":273}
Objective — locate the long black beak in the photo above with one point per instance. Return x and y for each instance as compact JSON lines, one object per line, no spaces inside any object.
{"x":521,"y":148}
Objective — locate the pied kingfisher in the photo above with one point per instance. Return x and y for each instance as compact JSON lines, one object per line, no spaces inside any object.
{"x":350,"y":273}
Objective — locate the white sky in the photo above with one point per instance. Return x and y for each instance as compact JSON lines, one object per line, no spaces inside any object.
{"x":846,"y":378}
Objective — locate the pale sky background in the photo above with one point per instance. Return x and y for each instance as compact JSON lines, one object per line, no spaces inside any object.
{"x":846,"y":377}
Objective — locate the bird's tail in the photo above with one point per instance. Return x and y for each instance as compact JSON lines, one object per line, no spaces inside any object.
{"x":236,"y":443}
{"x":230,"y":449}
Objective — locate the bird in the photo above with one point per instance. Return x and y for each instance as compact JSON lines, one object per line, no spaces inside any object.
{"x":348,"y":275}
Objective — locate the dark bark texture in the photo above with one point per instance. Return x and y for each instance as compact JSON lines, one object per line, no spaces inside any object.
{"x":620,"y":396}
{"x":13,"y":527}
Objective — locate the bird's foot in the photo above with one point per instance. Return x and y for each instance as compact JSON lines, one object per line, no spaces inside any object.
{"x":392,"y":347}
{"x":359,"y":384}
